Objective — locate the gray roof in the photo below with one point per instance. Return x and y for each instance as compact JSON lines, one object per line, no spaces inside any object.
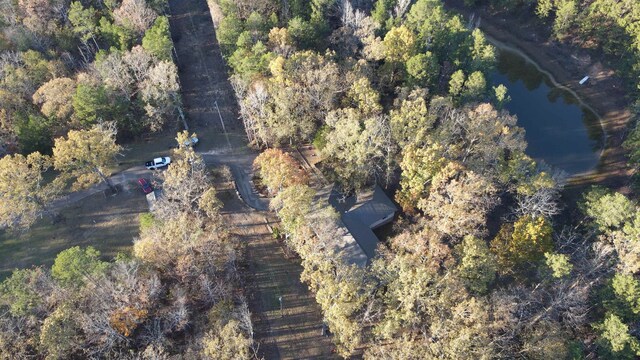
{"x":342,"y":240}
{"x":364,"y":236}
{"x":361,"y":214}
{"x":348,"y":247}
{"x":372,"y":208}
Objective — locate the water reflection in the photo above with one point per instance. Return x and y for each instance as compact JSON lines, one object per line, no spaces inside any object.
{"x":558,"y":130}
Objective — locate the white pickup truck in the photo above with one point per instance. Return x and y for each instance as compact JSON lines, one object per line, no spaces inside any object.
{"x":158,"y":163}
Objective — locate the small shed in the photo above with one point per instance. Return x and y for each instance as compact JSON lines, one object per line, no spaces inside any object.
{"x":153,"y":197}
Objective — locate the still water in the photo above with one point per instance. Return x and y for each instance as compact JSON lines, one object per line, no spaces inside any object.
{"x":559,"y":130}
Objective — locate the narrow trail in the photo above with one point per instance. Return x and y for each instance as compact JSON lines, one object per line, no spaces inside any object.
{"x":293,"y":332}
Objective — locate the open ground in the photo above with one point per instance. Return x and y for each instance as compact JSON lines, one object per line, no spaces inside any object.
{"x":108,"y":223}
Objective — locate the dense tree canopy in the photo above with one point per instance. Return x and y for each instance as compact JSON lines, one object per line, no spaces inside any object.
{"x":157,"y":39}
{"x":87,"y":155}
{"x":24,"y":192}
{"x":278,"y":170}
{"x":393,"y":92}
{"x":48,"y":57}
{"x":522,"y":244}
{"x":481,"y":265}
{"x":75,"y":266}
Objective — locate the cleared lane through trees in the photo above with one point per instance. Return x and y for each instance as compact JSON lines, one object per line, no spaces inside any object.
{"x":296,"y":331}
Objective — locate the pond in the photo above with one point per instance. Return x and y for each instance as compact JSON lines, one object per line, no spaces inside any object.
{"x":559,"y":129}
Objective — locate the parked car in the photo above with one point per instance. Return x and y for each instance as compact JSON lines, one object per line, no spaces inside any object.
{"x":192,"y":141}
{"x":146,"y":187}
{"x":158,"y":163}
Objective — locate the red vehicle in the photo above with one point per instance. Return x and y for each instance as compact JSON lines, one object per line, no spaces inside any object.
{"x":146,"y":187}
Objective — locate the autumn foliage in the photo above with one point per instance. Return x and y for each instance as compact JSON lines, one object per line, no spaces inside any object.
{"x":279,"y":170}
{"x":127,"y":319}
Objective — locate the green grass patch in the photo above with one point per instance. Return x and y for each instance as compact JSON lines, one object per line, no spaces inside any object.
{"x":320,"y":138}
{"x":109,"y":224}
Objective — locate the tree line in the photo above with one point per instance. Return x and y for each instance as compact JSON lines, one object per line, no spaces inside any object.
{"x":68,"y":65}
{"x":481,"y":265}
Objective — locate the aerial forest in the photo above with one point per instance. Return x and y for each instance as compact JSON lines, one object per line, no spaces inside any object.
{"x":493,"y":254}
{"x":78,"y":79}
{"x":488,"y":259}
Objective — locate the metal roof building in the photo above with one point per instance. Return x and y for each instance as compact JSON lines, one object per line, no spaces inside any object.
{"x":359,"y":216}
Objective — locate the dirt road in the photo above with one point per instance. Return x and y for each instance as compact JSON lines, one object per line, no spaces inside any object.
{"x":294,"y":332}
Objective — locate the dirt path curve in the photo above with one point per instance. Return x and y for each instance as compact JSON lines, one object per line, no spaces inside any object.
{"x":294,"y":333}
{"x":604,"y":92}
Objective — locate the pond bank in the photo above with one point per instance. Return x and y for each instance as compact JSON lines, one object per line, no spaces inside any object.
{"x":504,"y":46}
{"x":604,"y":93}
{"x":559,"y":127}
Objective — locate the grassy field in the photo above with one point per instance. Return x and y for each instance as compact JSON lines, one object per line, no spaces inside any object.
{"x":107,"y":223}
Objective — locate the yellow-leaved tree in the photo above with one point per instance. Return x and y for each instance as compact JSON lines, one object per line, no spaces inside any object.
{"x":87,"y":155}
{"x":523,"y":243}
{"x":24,"y":193}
